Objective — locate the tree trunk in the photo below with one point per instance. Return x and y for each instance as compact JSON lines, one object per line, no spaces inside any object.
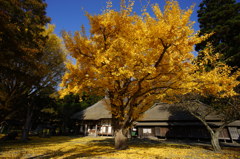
{"x":121,"y":126}
{"x":214,"y":134}
{"x":121,"y":139}
{"x":215,"y":142}
{"x":27,"y":124}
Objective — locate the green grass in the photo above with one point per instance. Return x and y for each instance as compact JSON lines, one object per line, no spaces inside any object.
{"x":100,"y":147}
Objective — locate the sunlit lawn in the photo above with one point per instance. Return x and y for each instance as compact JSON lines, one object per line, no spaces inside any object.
{"x":101,"y":147}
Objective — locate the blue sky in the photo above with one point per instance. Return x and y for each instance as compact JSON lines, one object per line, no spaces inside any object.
{"x":69,"y":15}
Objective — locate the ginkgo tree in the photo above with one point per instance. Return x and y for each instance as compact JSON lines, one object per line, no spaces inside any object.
{"x":135,"y":59}
{"x":205,"y":100}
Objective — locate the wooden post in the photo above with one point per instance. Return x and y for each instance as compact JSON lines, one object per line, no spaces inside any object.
{"x":106,"y":130}
{"x":129,"y":133}
{"x":96,"y":131}
{"x":85,"y":130}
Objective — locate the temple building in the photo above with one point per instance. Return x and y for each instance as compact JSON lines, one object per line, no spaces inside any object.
{"x":161,"y":121}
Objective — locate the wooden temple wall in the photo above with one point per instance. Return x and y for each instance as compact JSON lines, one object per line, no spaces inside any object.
{"x":103,"y":128}
{"x":186,"y":132}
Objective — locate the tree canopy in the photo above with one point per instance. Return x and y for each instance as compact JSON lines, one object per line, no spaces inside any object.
{"x":135,"y":60}
{"x":21,"y":46}
{"x":16,"y":88}
{"x":21,"y":25}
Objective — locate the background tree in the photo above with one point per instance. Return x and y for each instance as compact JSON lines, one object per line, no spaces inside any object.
{"x":223,"y":18}
{"x":226,"y":108}
{"x":21,"y":95}
{"x":21,"y":45}
{"x":52,"y":62}
{"x":201,"y":107}
{"x":70,"y":105}
{"x":134,"y":60}
{"x":44,"y":115}
{"x":55,"y":114}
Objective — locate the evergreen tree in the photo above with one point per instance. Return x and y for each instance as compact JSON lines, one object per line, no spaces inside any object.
{"x":22,"y":44}
{"x":21,"y":40}
{"x":222,"y":17}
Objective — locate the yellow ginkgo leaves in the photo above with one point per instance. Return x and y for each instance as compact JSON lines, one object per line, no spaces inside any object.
{"x":134,"y":60}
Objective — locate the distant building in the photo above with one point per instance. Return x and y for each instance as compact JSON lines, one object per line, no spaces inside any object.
{"x":160,"y":121}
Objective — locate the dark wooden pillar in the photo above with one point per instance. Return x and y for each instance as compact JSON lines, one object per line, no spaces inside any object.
{"x":85,"y":130}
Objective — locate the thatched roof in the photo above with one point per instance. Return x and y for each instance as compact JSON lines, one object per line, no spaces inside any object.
{"x":163,"y":111}
{"x":155,"y":113}
{"x":159,"y":112}
{"x":94,"y":112}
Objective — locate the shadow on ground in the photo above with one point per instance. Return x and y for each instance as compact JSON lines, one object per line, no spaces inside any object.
{"x":92,"y":149}
{"x":96,"y":147}
{"x":34,"y":141}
